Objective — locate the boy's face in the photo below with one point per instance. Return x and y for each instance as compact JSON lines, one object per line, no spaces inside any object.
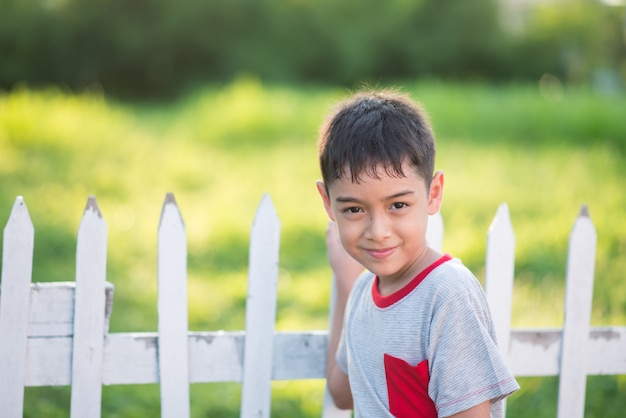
{"x":382,"y":221}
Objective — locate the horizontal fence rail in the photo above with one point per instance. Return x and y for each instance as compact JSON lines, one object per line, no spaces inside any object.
{"x":56,"y":334}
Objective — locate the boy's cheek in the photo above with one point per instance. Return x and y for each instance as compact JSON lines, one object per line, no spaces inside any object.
{"x":347,"y":233}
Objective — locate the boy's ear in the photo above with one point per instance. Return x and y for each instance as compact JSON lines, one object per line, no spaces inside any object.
{"x":435,"y":194}
{"x":321,"y":189}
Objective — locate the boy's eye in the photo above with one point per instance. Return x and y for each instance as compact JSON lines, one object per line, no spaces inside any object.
{"x":352,"y":209}
{"x":398,"y":205}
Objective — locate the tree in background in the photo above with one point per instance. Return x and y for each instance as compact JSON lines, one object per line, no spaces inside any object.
{"x":160,"y":48}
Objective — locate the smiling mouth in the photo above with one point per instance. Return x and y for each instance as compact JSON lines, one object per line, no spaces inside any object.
{"x":381,"y":253}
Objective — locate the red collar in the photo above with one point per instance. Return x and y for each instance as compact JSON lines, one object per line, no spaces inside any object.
{"x":386,"y":301}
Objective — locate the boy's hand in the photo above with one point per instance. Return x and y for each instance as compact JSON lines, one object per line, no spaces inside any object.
{"x":345,"y":268}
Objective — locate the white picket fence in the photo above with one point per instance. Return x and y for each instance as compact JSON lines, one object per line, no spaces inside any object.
{"x":56,"y":334}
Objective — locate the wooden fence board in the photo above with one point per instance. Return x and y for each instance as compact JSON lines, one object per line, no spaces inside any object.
{"x":131,"y":358}
{"x":51,"y":312}
{"x":536,"y":352}
{"x":499,"y":272}
{"x":499,"y":268}
{"x":17,"y":260}
{"x":172,"y":307}
{"x":52,"y":309}
{"x":434,"y":231}
{"x":606,"y":349}
{"x":260,"y":312}
{"x":578,"y":298}
{"x":89,"y":312}
{"x":216,"y":356}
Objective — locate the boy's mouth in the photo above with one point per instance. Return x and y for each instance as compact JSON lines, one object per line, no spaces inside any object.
{"x":380,"y":254}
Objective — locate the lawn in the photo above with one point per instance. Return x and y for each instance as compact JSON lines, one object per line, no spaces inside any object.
{"x":221,"y":148}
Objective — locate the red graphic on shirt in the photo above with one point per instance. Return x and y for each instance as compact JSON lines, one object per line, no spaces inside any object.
{"x":407,"y":388}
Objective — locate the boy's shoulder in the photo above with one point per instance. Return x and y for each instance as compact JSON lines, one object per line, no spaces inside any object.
{"x":452,"y":272}
{"x":452,"y":280}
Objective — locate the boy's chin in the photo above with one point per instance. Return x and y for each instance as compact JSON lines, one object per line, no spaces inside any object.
{"x":374,"y":269}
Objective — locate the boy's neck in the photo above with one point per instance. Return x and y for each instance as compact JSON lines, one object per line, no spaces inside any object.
{"x":389,"y":285}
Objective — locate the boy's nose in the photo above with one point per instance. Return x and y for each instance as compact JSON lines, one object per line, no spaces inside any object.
{"x":378,"y":228}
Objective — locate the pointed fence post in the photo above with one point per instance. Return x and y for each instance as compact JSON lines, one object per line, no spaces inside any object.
{"x":499,"y":272}
{"x":260,"y":312}
{"x":578,"y":297}
{"x":17,"y":264}
{"x":89,"y":314}
{"x":172,"y":308}
{"x":434,"y":231}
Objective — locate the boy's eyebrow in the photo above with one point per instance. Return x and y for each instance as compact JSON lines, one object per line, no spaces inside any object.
{"x":340,"y":199}
{"x":348,"y":199}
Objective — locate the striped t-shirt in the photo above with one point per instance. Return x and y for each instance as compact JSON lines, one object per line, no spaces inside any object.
{"x":426,"y":350}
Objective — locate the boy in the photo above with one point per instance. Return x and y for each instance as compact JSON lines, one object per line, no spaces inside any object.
{"x":417,"y":339}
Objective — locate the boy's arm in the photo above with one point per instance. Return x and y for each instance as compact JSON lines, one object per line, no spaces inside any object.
{"x":482,"y":410}
{"x":337,"y":380}
{"x":345,"y":271}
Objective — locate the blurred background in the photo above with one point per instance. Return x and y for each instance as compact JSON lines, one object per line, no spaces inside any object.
{"x":220,"y":101}
{"x":161,"y":49}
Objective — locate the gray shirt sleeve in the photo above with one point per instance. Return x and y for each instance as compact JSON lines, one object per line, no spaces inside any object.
{"x":466,"y":367}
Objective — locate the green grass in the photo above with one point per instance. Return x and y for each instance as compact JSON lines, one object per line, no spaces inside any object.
{"x":221,"y":148}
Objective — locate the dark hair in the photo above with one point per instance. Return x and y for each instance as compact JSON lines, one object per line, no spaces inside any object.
{"x":375,"y":129}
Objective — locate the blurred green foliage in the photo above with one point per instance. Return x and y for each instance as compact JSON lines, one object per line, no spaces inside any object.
{"x":543,"y":150}
{"x":162,"y":48}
